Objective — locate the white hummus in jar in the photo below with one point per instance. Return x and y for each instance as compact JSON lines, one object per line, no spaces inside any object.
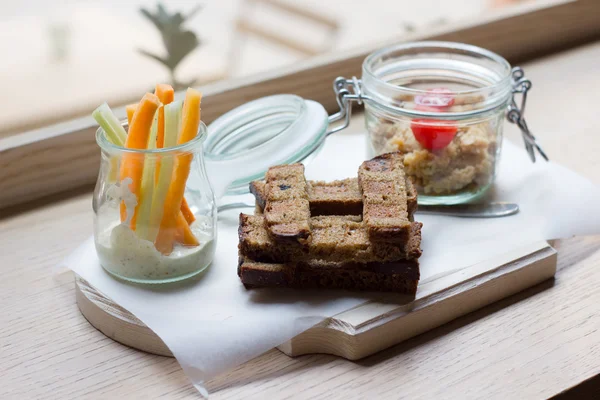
{"x":123,"y":253}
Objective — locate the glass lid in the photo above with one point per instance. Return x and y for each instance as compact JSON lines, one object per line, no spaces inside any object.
{"x":243,"y":143}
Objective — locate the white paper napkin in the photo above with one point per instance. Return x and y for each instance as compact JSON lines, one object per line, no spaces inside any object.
{"x":212,"y":323}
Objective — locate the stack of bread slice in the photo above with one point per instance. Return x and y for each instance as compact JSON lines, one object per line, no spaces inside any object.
{"x":355,"y":234}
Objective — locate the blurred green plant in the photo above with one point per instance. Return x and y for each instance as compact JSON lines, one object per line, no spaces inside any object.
{"x":178,"y":41}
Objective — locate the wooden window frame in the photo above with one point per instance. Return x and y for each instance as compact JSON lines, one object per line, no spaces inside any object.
{"x":65,"y":156}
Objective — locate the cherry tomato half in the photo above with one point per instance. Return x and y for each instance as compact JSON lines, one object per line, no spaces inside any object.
{"x":432,"y":134}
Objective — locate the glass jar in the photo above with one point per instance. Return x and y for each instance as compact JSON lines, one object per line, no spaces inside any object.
{"x":442,"y":106}
{"x":133,"y":239}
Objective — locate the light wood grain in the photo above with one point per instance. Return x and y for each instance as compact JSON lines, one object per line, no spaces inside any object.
{"x":311,"y":15}
{"x":296,"y":42}
{"x":376,"y":326}
{"x":536,"y":344}
{"x":66,"y":155}
{"x":371,"y":327}
{"x":116,"y":322}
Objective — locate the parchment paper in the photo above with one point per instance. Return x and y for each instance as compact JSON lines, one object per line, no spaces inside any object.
{"x":212,"y":323}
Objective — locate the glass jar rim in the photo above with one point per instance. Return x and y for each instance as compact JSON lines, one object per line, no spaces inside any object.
{"x":489,"y":69}
{"x":237,"y":122}
{"x":278,"y":129}
{"x":194,"y":144}
{"x":425,"y":45}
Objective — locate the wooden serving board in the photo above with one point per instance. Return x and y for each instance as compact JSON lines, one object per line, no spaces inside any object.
{"x":372,"y":326}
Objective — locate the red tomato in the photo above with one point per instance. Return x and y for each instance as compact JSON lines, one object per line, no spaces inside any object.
{"x":438,"y":97}
{"x":432,"y":134}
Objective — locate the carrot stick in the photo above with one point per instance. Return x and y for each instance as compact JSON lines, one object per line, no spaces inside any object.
{"x":190,"y":116}
{"x":132,"y":165}
{"x":187,"y":213}
{"x":172,"y":126}
{"x":130,"y":111}
{"x":139,"y":131}
{"x":144,"y":207}
{"x":189,"y":129}
{"x":165,"y":94}
{"x":183,"y":233}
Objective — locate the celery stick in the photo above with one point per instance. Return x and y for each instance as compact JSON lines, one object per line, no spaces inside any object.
{"x":111,"y":125}
{"x":153,"y":131}
{"x":147,"y":189}
{"x":172,"y":126}
{"x":114,"y":133}
{"x":113,"y":170}
{"x":172,"y":122}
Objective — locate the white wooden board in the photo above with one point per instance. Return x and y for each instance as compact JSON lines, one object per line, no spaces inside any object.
{"x":373,"y":326}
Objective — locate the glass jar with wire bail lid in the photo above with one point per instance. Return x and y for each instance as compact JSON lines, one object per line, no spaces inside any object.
{"x":442,"y":106}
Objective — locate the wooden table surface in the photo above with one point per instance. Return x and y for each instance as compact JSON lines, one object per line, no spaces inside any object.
{"x":536,"y":344}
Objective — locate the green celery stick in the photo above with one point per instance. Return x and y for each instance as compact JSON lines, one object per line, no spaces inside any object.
{"x":106,"y":119}
{"x":172,"y":122}
{"x":172,"y":127}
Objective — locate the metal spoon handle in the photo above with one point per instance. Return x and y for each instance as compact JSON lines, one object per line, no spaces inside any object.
{"x":487,"y":210}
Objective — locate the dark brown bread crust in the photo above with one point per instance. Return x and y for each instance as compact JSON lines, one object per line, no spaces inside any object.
{"x":334,"y":238}
{"x":341,"y":197}
{"x":401,"y":277}
{"x":287,"y":211}
{"x":258,"y":189}
{"x":385,"y":211}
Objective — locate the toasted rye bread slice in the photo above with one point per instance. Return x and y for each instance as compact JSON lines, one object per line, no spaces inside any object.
{"x":385,"y":201}
{"x":287,"y":210}
{"x":341,"y":197}
{"x":335,"y":198}
{"x":334,"y":238}
{"x":400,"y":277}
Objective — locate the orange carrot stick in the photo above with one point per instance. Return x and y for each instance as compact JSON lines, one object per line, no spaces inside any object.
{"x":190,"y":116}
{"x":184,"y":234}
{"x":189,"y":129}
{"x":132,"y":165}
{"x":130,"y":108}
{"x":166,"y":95}
{"x":187,"y":213}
